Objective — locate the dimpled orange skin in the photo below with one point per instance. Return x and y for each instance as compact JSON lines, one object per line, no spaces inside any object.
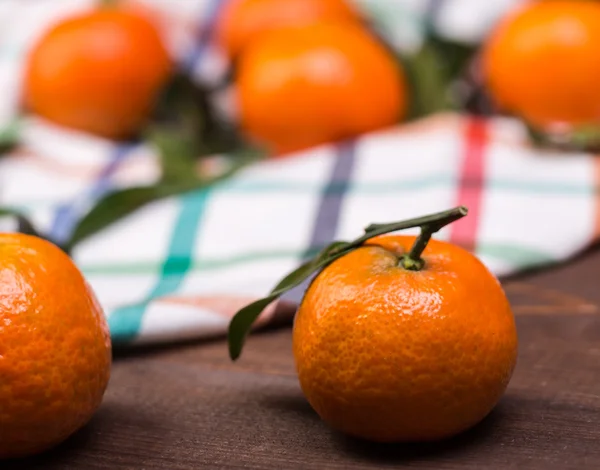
{"x":243,"y":21}
{"x":310,"y":85}
{"x":541,"y":63}
{"x":98,"y":72}
{"x":55,"y":350}
{"x":392,"y":355}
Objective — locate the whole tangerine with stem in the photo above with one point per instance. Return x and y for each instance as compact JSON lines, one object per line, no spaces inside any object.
{"x":390,"y":354}
{"x":541,"y":63}
{"x":99,"y":71}
{"x":243,"y":21}
{"x":397,"y":338}
{"x":55,"y":349}
{"x":305,"y":86}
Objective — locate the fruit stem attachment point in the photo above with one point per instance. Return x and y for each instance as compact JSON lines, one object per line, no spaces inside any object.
{"x":413,"y":260}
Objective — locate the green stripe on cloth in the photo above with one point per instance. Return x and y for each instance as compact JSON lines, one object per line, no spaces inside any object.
{"x":385,"y":14}
{"x":12,"y":52}
{"x":514,"y":254}
{"x":336,"y":187}
{"x":518,"y":256}
{"x":125,"y":322}
{"x":557,"y":188}
{"x":205,"y":265}
{"x":381,"y":187}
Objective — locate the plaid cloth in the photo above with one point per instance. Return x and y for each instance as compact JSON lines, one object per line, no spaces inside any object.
{"x":180,"y":267}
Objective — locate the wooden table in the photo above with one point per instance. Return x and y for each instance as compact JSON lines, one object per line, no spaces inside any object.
{"x":189,"y":407}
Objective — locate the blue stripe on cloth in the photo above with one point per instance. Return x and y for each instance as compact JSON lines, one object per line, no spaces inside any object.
{"x":432,"y":10}
{"x":207,"y":26}
{"x":328,"y":216}
{"x":327,"y":220}
{"x":125,"y":322}
{"x":67,"y":215}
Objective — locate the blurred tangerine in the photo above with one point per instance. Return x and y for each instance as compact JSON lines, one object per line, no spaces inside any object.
{"x":243,"y":21}
{"x":304,"y":86}
{"x":541,"y":63}
{"x":55,"y":348}
{"x":98,"y":72}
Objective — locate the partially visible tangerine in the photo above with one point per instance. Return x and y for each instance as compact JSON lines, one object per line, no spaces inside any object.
{"x":244,"y":21}
{"x":55,"y":349}
{"x":304,"y":86}
{"x":541,"y":63}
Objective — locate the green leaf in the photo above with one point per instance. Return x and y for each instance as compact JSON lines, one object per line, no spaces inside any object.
{"x":176,"y":128}
{"x":432,"y":72}
{"x":585,"y":138}
{"x":429,"y":87}
{"x":306,"y":269}
{"x":9,"y":136}
{"x":184,"y":127}
{"x":177,"y":154}
{"x":242,"y":321}
{"x":121,"y":203}
{"x":454,"y":58}
{"x":435,"y":221}
{"x":113,"y":207}
{"x":24,"y":224}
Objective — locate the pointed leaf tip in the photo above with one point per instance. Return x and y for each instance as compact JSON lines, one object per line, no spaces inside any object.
{"x":241,"y":324}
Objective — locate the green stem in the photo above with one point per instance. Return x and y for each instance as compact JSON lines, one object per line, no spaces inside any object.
{"x":413,"y":261}
{"x":439,"y":218}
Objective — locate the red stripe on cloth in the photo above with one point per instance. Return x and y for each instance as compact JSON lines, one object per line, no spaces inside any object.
{"x":471,"y":183}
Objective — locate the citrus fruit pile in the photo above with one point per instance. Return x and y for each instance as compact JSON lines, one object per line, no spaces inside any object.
{"x":308,"y":72}
{"x":55,"y":349}
{"x":398,"y":338}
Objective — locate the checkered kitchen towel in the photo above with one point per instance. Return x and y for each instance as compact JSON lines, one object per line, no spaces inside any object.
{"x":178,"y":268}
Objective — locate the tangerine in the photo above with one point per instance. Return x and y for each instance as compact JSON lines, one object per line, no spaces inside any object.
{"x":55,"y":350}
{"x":389,"y":351}
{"x":304,"y":86}
{"x":98,"y":72}
{"x":242,"y":21}
{"x":541,"y":62}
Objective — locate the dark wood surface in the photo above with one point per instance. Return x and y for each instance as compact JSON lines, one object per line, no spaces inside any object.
{"x":188,"y":407}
